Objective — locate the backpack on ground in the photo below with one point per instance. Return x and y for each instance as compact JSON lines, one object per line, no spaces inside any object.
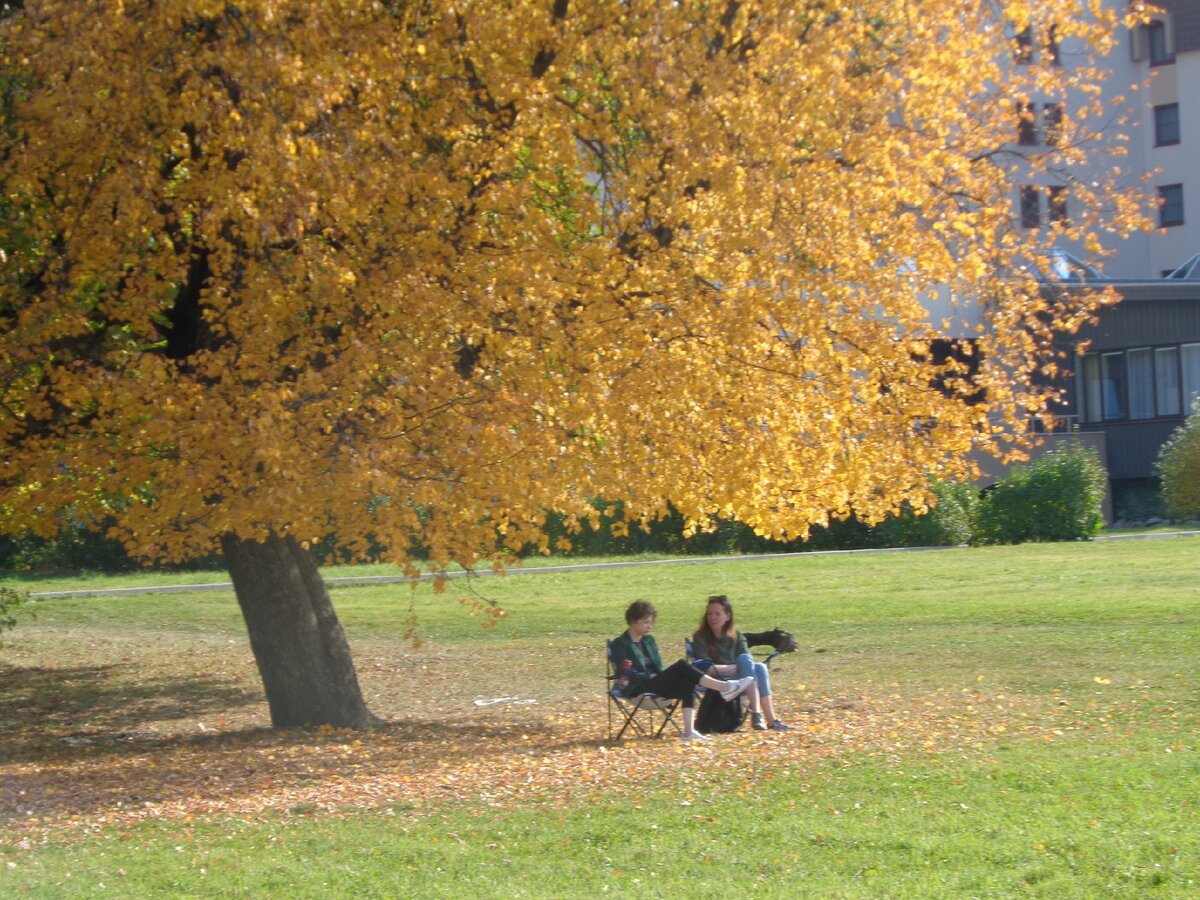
{"x":717,"y":716}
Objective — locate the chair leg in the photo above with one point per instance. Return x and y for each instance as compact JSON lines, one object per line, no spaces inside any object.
{"x":632,"y":711}
{"x":669,"y":719}
{"x":628,"y":717}
{"x":631,"y":718}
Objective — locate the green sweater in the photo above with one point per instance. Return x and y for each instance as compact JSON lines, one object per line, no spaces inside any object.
{"x":729,"y":648}
{"x":644,"y":656}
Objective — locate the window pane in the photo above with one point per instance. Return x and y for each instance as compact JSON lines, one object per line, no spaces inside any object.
{"x":1159,"y":53}
{"x":1112,"y":375}
{"x":1027,"y":134}
{"x":1190,"y":354}
{"x":1141,"y":384}
{"x":1023,"y":45}
{"x":1088,"y":388}
{"x":1170,"y":211}
{"x":1166,"y":124}
{"x":1166,"y":381}
{"x":1052,"y":120}
{"x":1056,"y":204}
{"x":1030,"y":214}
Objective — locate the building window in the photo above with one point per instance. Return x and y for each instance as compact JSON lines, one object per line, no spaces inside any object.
{"x":1189,"y":359}
{"x":1158,"y":46}
{"x":1030,"y":201}
{"x":1138,"y":384}
{"x":1052,"y":120}
{"x":1166,"y":381}
{"x":1170,"y":205}
{"x":1056,"y":205}
{"x":1112,"y":384}
{"x":1166,"y":124}
{"x":1027,"y":133}
{"x":1088,"y":389}
{"x":1023,"y":45}
{"x":956,"y":361}
{"x":1140,"y":368}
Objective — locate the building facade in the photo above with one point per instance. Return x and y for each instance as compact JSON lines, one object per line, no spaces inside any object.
{"x":1136,"y":371}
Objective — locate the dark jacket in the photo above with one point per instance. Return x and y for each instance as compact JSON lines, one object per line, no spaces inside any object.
{"x":644,"y":656}
{"x":728,"y":648}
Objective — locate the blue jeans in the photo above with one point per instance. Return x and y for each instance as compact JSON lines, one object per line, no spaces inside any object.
{"x":746,"y":667}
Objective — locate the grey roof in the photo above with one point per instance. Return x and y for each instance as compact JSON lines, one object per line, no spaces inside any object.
{"x":1189,"y":271}
{"x":1067,"y":272}
{"x":1065,"y":267}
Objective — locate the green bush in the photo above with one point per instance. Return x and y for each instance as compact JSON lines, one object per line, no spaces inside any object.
{"x":1057,"y":497}
{"x":81,"y":546}
{"x":1179,"y":468}
{"x":78,"y":547}
{"x":10,"y":599}
{"x":946,"y":524}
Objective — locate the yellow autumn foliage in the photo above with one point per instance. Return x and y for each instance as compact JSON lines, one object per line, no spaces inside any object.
{"x":409,"y":270}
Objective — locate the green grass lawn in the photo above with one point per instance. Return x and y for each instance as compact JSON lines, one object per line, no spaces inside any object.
{"x":990,"y":722}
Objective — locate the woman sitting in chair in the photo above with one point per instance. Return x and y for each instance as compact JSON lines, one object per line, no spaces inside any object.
{"x":644,"y":673}
{"x":719,"y":644}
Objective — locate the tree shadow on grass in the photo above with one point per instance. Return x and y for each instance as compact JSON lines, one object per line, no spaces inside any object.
{"x":265,"y":769}
{"x":104,"y":743}
{"x":83,"y":705}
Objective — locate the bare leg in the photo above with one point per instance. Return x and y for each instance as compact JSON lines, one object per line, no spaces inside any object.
{"x":689,"y":719}
{"x":758,"y":702}
{"x":714,"y":684}
{"x":768,"y":709}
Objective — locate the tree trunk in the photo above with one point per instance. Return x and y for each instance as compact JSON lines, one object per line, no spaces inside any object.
{"x":295,"y":634}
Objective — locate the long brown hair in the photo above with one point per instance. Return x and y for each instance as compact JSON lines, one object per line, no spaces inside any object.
{"x":707,"y":637}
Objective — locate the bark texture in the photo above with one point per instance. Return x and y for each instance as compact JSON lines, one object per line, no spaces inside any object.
{"x":298,"y":642}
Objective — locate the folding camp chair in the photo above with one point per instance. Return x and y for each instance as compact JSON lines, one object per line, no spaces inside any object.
{"x":641,"y":712}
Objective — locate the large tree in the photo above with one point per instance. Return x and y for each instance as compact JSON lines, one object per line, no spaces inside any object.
{"x":414,"y":273}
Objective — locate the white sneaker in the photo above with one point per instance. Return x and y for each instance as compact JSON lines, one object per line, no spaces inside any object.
{"x":736,"y":688}
{"x":694,"y":736}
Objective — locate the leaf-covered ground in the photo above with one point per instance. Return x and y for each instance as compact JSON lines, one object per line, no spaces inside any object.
{"x":175,"y":734}
{"x":1004,"y":676}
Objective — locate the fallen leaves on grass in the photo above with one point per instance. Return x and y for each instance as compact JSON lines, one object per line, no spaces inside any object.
{"x":95,"y":747}
{"x":66,"y":787}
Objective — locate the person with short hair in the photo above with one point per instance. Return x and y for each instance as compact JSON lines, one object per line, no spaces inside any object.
{"x":719,"y":644}
{"x":645,"y":672}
